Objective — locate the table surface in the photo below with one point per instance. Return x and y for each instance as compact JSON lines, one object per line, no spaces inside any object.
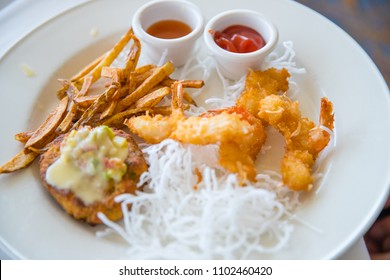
{"x":368,"y":22}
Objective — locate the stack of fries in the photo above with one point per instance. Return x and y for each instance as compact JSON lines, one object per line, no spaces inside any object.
{"x":121,"y":93}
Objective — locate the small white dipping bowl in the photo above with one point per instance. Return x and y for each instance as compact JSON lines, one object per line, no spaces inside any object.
{"x":235,"y":65}
{"x":177,"y":50}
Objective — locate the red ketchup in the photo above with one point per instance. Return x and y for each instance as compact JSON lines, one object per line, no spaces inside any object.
{"x":238,"y":39}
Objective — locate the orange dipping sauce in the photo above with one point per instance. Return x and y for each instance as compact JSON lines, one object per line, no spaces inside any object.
{"x":239,"y":39}
{"x":169,"y":29}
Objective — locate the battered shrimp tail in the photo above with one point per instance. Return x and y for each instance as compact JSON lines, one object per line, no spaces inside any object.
{"x":304,"y":140}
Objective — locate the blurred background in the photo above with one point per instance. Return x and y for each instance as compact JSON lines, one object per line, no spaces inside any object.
{"x":367,"y":21}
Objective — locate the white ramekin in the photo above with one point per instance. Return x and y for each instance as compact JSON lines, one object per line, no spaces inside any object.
{"x":176,"y":50}
{"x":235,"y":65}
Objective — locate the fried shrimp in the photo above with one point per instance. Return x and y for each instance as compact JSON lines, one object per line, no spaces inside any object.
{"x":260,"y":84}
{"x":84,"y":202}
{"x":238,"y":132}
{"x":304,"y":140}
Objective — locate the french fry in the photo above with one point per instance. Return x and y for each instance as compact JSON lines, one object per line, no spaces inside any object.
{"x":96,"y":107}
{"x":88,"y":68}
{"x":162,"y":110}
{"x":185,"y":83}
{"x":177,"y":99}
{"x":62,"y":92}
{"x":158,"y":75}
{"x":45,"y":131}
{"x":117,"y":119}
{"x":110,"y":109}
{"x":133,"y":56}
{"x":115,"y":74}
{"x":95,"y":73}
{"x":38,"y":151}
{"x":20,"y":161}
{"x":144,"y":68}
{"x":66,"y":123}
{"x":139,"y":78}
{"x":153,"y":98}
{"x":23,"y":136}
{"x":86,"y":85}
{"x":85,"y":101}
{"x":189,"y":99}
{"x":127,"y":92}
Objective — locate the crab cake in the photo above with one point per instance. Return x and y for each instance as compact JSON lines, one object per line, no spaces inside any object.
{"x":84,"y":171}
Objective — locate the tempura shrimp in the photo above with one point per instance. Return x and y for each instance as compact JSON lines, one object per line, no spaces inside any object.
{"x":304,"y":140}
{"x":260,"y":84}
{"x":238,"y":132}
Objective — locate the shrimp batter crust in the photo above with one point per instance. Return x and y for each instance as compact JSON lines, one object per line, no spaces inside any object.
{"x":238,"y":132}
{"x":304,"y":140}
{"x":73,"y":205}
{"x":260,"y":84}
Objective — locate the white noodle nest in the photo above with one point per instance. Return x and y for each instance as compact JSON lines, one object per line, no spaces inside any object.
{"x":217,"y":219}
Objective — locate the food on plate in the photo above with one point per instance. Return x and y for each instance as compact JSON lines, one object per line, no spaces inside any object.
{"x":101,"y":94}
{"x":238,"y":39}
{"x":88,"y":161}
{"x":304,"y":140}
{"x":85,"y":169}
{"x":21,"y":160}
{"x":45,"y":131}
{"x":259,"y":84}
{"x":238,"y":132}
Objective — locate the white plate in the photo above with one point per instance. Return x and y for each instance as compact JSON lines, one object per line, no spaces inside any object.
{"x":356,"y":176}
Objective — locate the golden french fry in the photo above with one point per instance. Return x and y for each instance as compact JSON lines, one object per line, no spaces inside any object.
{"x":45,"y":131}
{"x":96,"y":107}
{"x":117,"y":119}
{"x":139,"y":78}
{"x":66,"y":123}
{"x":192,"y":83}
{"x":38,"y":151}
{"x":86,"y":85}
{"x":158,"y":75}
{"x":108,"y":59}
{"x":185,"y":83}
{"x":115,"y":74}
{"x":85,"y":101}
{"x":62,"y":92}
{"x":189,"y":99}
{"x":88,"y":68}
{"x":21,"y":160}
{"x":133,"y":56}
{"x":110,"y":109}
{"x":131,"y":85}
{"x":177,"y":96}
{"x":153,"y":98}
{"x":162,"y":110}
{"x":23,"y":136}
{"x":144,"y":68}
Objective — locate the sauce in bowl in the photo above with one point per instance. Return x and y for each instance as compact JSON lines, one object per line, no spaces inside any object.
{"x":169,"y":29}
{"x":239,"y":39}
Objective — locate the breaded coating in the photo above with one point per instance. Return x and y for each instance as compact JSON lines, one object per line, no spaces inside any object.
{"x":260,"y":84}
{"x":304,"y":140}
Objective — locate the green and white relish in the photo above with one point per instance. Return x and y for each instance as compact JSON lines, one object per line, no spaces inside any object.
{"x":90,"y":159}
